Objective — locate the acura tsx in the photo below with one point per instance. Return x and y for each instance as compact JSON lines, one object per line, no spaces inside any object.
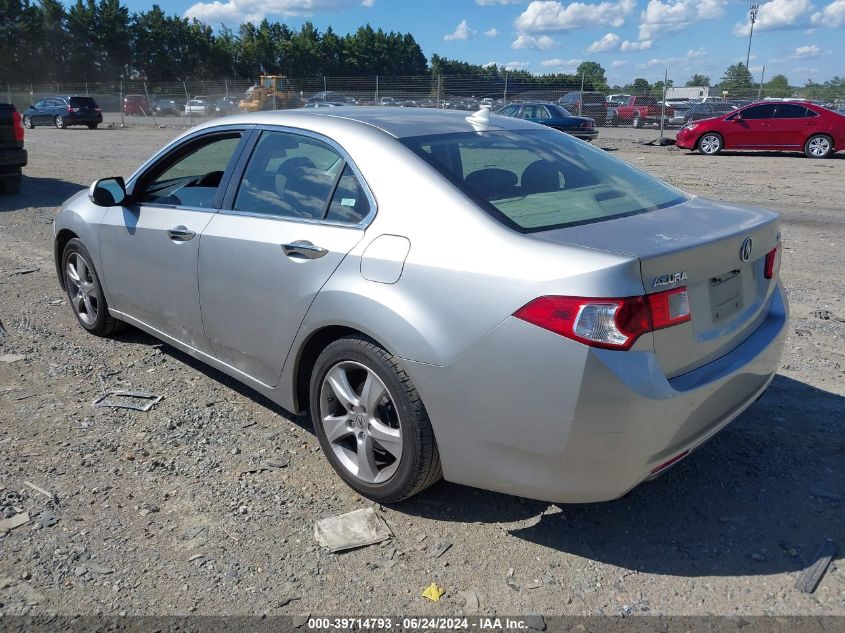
{"x":474,"y":297}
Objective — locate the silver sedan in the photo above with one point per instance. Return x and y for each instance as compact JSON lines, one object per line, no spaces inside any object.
{"x":473,"y":297}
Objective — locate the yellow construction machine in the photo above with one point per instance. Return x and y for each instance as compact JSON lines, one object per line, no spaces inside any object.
{"x":272,"y":92}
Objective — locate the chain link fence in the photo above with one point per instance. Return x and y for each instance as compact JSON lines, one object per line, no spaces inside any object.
{"x":164,"y":103}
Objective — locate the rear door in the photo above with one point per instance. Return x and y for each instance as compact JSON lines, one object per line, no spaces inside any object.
{"x":791,"y":125}
{"x":149,"y":247}
{"x":299,"y":207}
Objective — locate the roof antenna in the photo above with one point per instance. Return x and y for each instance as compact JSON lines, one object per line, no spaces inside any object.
{"x":480,"y":118}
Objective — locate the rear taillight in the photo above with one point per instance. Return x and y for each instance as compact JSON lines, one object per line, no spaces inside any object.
{"x":97,"y":110}
{"x":607,"y":323}
{"x":772,"y":262}
{"x":669,"y":308}
{"x":17,"y":124}
{"x":70,"y":110}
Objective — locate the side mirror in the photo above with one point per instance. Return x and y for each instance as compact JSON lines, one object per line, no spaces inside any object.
{"x":108,"y":192}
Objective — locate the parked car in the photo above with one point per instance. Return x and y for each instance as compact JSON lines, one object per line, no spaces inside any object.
{"x":388,"y":101}
{"x":197,"y":107}
{"x":586,"y":103}
{"x":137,"y":105}
{"x":13,"y":156}
{"x":643,"y":110}
{"x":63,"y":112}
{"x":554,"y":116}
{"x":570,"y":354}
{"x":332,"y":96}
{"x":323,"y":104}
{"x":707,"y":110}
{"x":225,"y":106}
{"x":739,"y":103}
{"x":166,"y":107}
{"x":779,"y":126}
{"x":679,"y":113}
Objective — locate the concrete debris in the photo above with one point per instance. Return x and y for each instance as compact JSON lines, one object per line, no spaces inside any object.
{"x":134,"y":400}
{"x":15,"y":521}
{"x":353,"y":529}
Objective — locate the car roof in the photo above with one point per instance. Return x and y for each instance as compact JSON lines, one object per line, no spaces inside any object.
{"x":397,"y":122}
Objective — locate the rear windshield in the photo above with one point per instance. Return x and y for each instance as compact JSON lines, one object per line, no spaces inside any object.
{"x":535,"y":180}
{"x":82,"y":102}
{"x":593,"y":97}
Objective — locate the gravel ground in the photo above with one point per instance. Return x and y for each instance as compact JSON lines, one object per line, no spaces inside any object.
{"x":158,"y":514}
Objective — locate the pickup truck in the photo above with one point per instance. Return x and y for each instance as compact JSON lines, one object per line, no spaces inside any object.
{"x":12,"y":154}
{"x":640,"y":111}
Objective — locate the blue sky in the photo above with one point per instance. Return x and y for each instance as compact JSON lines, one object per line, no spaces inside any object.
{"x":630,"y":38}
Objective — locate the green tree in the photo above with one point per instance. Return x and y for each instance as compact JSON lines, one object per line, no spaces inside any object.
{"x":737,"y":81}
{"x":594,"y":75}
{"x":638,"y":87}
{"x":698,"y":80}
{"x":778,"y":86}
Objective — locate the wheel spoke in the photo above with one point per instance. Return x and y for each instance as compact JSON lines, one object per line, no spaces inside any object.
{"x":343,"y":391}
{"x":389,"y":439}
{"x":79,"y":301}
{"x":89,"y":309}
{"x":367,"y":469}
{"x":335,"y":427}
{"x":73,"y":274}
{"x":82,"y":268}
{"x":372,"y":392}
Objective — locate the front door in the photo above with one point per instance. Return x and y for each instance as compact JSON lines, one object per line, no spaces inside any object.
{"x":149,"y":247}
{"x":298,"y":209}
{"x":751,"y":127}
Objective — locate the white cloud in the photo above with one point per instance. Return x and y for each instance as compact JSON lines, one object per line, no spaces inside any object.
{"x":605,"y":43}
{"x":832,"y":15}
{"x":492,"y":32}
{"x":237,"y":11}
{"x":695,"y":53}
{"x":517,"y":65}
{"x":806,"y":52}
{"x":661,"y":17}
{"x":618,"y":63}
{"x":549,"y":16}
{"x":488,"y":64}
{"x":540,"y":43}
{"x":776,"y":15}
{"x":636,"y":46}
{"x":368,"y":3}
{"x":560,"y":63}
{"x":461,"y":32}
{"x":490,"y":3}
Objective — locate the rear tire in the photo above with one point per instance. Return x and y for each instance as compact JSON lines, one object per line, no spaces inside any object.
{"x":710,"y":144}
{"x":92,"y":126}
{"x":636,"y":120}
{"x":84,"y":291}
{"x":60,"y":122}
{"x":395,"y":408}
{"x":818,"y":146}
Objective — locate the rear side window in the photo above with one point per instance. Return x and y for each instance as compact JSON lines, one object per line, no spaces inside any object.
{"x":593,"y":98}
{"x":535,"y":180}
{"x":791,"y":111}
{"x":82,"y":102}
{"x":349,"y":202}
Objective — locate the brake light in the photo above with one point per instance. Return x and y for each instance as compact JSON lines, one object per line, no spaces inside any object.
{"x":607,"y":323}
{"x":668,"y":308}
{"x":17,"y":124}
{"x":772,"y":262}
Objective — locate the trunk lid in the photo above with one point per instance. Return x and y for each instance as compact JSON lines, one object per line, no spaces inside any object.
{"x":697,"y":244}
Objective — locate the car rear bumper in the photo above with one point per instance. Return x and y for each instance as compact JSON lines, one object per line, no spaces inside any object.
{"x":529,"y":413}
{"x":83,"y":118}
{"x":14,"y":157}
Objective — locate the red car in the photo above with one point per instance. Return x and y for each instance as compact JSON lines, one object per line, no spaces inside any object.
{"x":770,"y":125}
{"x":136,"y":105}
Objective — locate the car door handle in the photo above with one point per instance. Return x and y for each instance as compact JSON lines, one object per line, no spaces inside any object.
{"x":303,"y":248}
{"x":181,"y":234}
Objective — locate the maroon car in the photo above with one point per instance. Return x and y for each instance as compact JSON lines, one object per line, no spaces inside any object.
{"x":769,"y":125}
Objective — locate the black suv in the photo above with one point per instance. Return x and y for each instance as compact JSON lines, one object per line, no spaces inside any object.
{"x":586,"y":103}
{"x":63,"y":112}
{"x":12,"y":154}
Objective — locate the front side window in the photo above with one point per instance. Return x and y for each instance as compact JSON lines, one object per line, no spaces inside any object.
{"x":535,"y":180}
{"x":291,"y":175}
{"x":510,"y":111}
{"x":765,"y":111}
{"x":192,"y":176}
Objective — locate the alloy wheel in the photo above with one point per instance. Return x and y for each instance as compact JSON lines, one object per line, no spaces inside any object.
{"x":60,"y":122}
{"x":710,"y":144}
{"x":27,"y":123}
{"x":361,"y":422}
{"x":818,"y":146}
{"x":82,"y":289}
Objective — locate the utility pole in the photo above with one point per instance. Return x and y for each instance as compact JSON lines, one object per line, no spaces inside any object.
{"x":753,"y":15}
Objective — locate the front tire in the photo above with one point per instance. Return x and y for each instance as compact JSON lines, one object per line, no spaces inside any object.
{"x":818,"y":146}
{"x":27,"y":123}
{"x":710,"y":144}
{"x":371,"y":422}
{"x":84,"y":291}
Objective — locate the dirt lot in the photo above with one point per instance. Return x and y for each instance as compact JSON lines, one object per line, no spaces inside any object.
{"x":153,"y":517}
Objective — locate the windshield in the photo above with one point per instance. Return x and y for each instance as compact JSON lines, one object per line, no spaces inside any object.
{"x":535,"y":180}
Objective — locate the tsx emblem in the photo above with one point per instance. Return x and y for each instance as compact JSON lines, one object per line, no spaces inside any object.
{"x":745,"y":250}
{"x":670,"y":279}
